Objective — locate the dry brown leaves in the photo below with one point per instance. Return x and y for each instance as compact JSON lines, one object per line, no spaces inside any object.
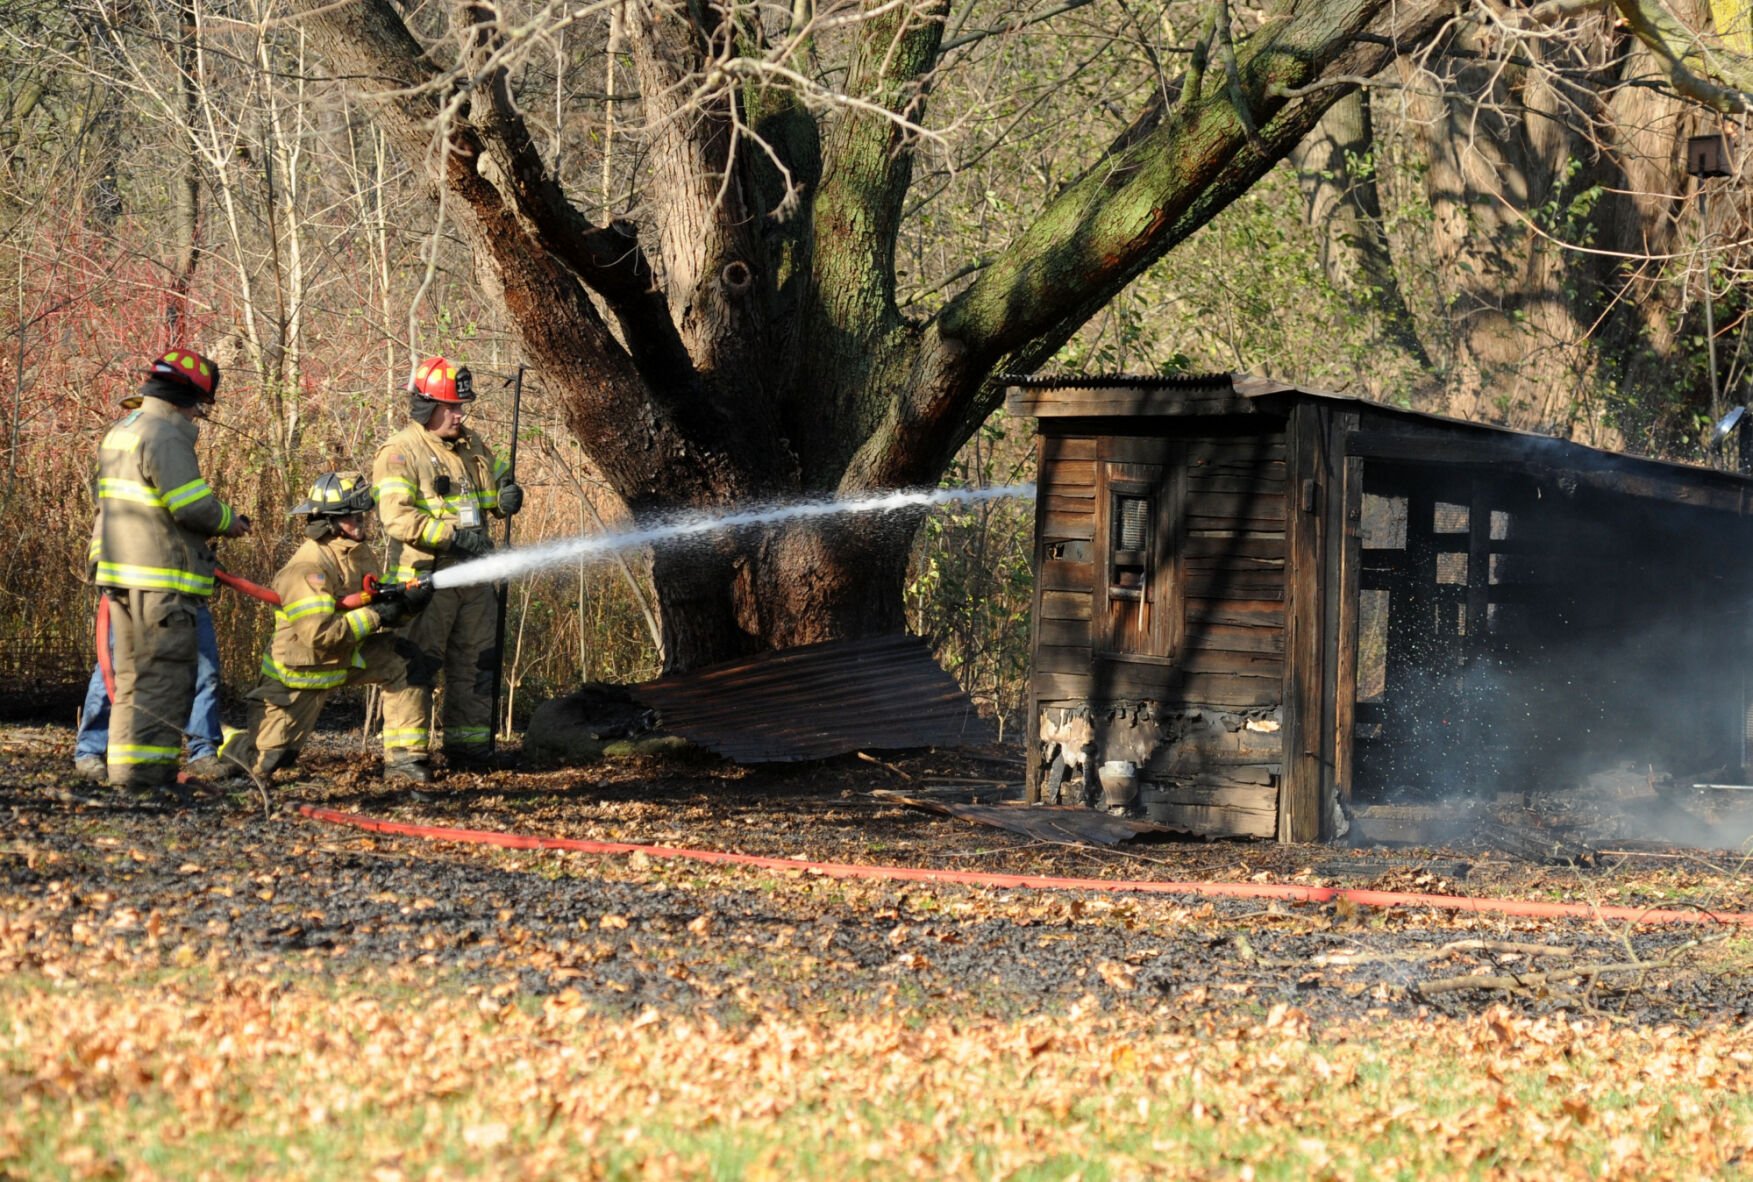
{"x":232,"y":1075}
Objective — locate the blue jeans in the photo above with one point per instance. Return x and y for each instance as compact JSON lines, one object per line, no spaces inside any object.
{"x":203,"y":728}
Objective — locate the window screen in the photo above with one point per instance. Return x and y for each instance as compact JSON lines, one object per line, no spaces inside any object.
{"x":1131,"y":545}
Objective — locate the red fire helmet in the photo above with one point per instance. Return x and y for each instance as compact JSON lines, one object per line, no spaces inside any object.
{"x":441,"y":381}
{"x":191,"y":369}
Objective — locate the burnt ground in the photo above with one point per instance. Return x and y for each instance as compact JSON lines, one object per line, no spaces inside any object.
{"x":216,"y":880}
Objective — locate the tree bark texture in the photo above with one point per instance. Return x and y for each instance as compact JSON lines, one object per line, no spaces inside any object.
{"x":758,"y":352}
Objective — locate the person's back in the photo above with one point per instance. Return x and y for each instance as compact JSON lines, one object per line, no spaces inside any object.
{"x":150,"y":555}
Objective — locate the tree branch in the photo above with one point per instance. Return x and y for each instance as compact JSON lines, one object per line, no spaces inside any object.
{"x":645,"y":441}
{"x":1141,"y":198}
{"x":1137,"y":202}
{"x":1686,"y":59}
{"x":868,"y":168}
{"x":607,"y":258}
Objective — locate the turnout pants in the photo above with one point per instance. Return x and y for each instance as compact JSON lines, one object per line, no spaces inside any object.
{"x":454,"y":633}
{"x":153,"y":653}
{"x":282,"y":718}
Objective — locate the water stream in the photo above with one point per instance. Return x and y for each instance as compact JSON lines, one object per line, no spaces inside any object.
{"x":511,"y":564}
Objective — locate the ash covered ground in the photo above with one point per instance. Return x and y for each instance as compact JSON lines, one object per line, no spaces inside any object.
{"x":218,"y":880}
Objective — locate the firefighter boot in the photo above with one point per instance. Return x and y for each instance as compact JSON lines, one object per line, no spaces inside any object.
{"x":402,"y":766}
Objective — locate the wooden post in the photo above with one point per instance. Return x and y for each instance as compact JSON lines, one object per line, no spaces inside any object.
{"x":1306,"y":487}
{"x":1032,"y":721}
{"x":1347,"y":540}
{"x":1478,"y":569}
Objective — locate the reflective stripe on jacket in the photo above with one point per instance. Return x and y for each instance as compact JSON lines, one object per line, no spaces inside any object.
{"x":315,"y":644}
{"x":155,"y":512}
{"x":426,"y":489}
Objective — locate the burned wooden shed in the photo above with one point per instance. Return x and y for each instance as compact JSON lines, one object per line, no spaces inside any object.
{"x":1260,"y":608}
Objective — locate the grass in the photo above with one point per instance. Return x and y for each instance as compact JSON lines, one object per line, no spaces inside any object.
{"x":232,"y":1076}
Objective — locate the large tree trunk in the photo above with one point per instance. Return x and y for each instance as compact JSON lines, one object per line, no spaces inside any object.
{"x":762,"y":355}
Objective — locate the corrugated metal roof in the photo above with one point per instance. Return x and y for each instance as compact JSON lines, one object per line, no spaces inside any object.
{"x":1136,"y":381}
{"x":1250,"y":388}
{"x":810,"y":702}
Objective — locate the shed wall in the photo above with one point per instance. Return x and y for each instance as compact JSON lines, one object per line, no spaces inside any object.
{"x":1187,"y":680}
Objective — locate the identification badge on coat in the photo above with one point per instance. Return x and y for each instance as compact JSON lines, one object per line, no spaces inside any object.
{"x":469,"y":509}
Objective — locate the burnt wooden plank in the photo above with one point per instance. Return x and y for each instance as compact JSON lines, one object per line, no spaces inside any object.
{"x":1063,"y":658}
{"x":1168,"y":685}
{"x":1438,"y":447}
{"x":1478,"y":563}
{"x":1217,"y":820}
{"x":1207,"y":564}
{"x":1069,"y":526}
{"x":1561,"y":462}
{"x":1245,"y":449}
{"x":1057,"y":575}
{"x":1230,"y":638}
{"x":1138,"y":449}
{"x":1241,"y":525}
{"x":1252,"y":475}
{"x":1068,"y":447}
{"x":1065,"y":605}
{"x":1209,"y":660}
{"x":1191,"y":759}
{"x":1202,"y":481}
{"x":1234,"y":585}
{"x":1256,"y":506}
{"x":1067,"y":503}
{"x":1063,"y":633}
{"x":1249,"y":613}
{"x":1240,"y":545}
{"x":1228,"y":785}
{"x":1058,"y":474}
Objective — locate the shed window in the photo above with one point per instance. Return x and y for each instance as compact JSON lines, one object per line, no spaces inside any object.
{"x":1132,"y":518}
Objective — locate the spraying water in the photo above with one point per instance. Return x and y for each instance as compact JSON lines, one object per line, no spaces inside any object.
{"x":511,"y":564}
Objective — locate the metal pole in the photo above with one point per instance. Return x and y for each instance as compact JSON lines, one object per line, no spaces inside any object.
{"x":1716,"y":400}
{"x":501,"y":588}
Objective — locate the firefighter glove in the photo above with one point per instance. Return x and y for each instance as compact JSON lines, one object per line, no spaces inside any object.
{"x":417,"y":596}
{"x":510,"y":497}
{"x":391,"y":612}
{"x":471,"y":543}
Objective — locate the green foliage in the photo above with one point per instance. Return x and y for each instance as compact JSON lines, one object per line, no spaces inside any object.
{"x":971,"y":584}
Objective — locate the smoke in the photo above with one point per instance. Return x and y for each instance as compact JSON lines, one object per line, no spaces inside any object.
{"x":512,"y":564}
{"x":1600,"y":725}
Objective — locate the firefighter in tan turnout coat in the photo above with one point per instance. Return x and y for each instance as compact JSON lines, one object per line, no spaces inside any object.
{"x":150,"y":554}
{"x":436,"y":484}
{"x":317,"y":646}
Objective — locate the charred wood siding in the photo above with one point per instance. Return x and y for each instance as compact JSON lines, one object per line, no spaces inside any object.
{"x":1201,"y":647}
{"x":1221,"y":584}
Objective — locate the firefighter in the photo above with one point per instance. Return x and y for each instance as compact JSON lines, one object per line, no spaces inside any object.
{"x":436,"y":483}
{"x":317,"y":647}
{"x":150,"y":553}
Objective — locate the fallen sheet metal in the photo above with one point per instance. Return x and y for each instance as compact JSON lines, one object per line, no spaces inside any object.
{"x":1046,"y":822}
{"x":884,"y":693}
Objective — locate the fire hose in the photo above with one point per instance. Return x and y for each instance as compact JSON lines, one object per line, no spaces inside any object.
{"x":1285,"y":891}
{"x":374,"y":591}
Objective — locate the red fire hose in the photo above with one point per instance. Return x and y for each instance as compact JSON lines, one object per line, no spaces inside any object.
{"x":1293,"y":892}
{"x":253,"y":590}
{"x":240,"y":585}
